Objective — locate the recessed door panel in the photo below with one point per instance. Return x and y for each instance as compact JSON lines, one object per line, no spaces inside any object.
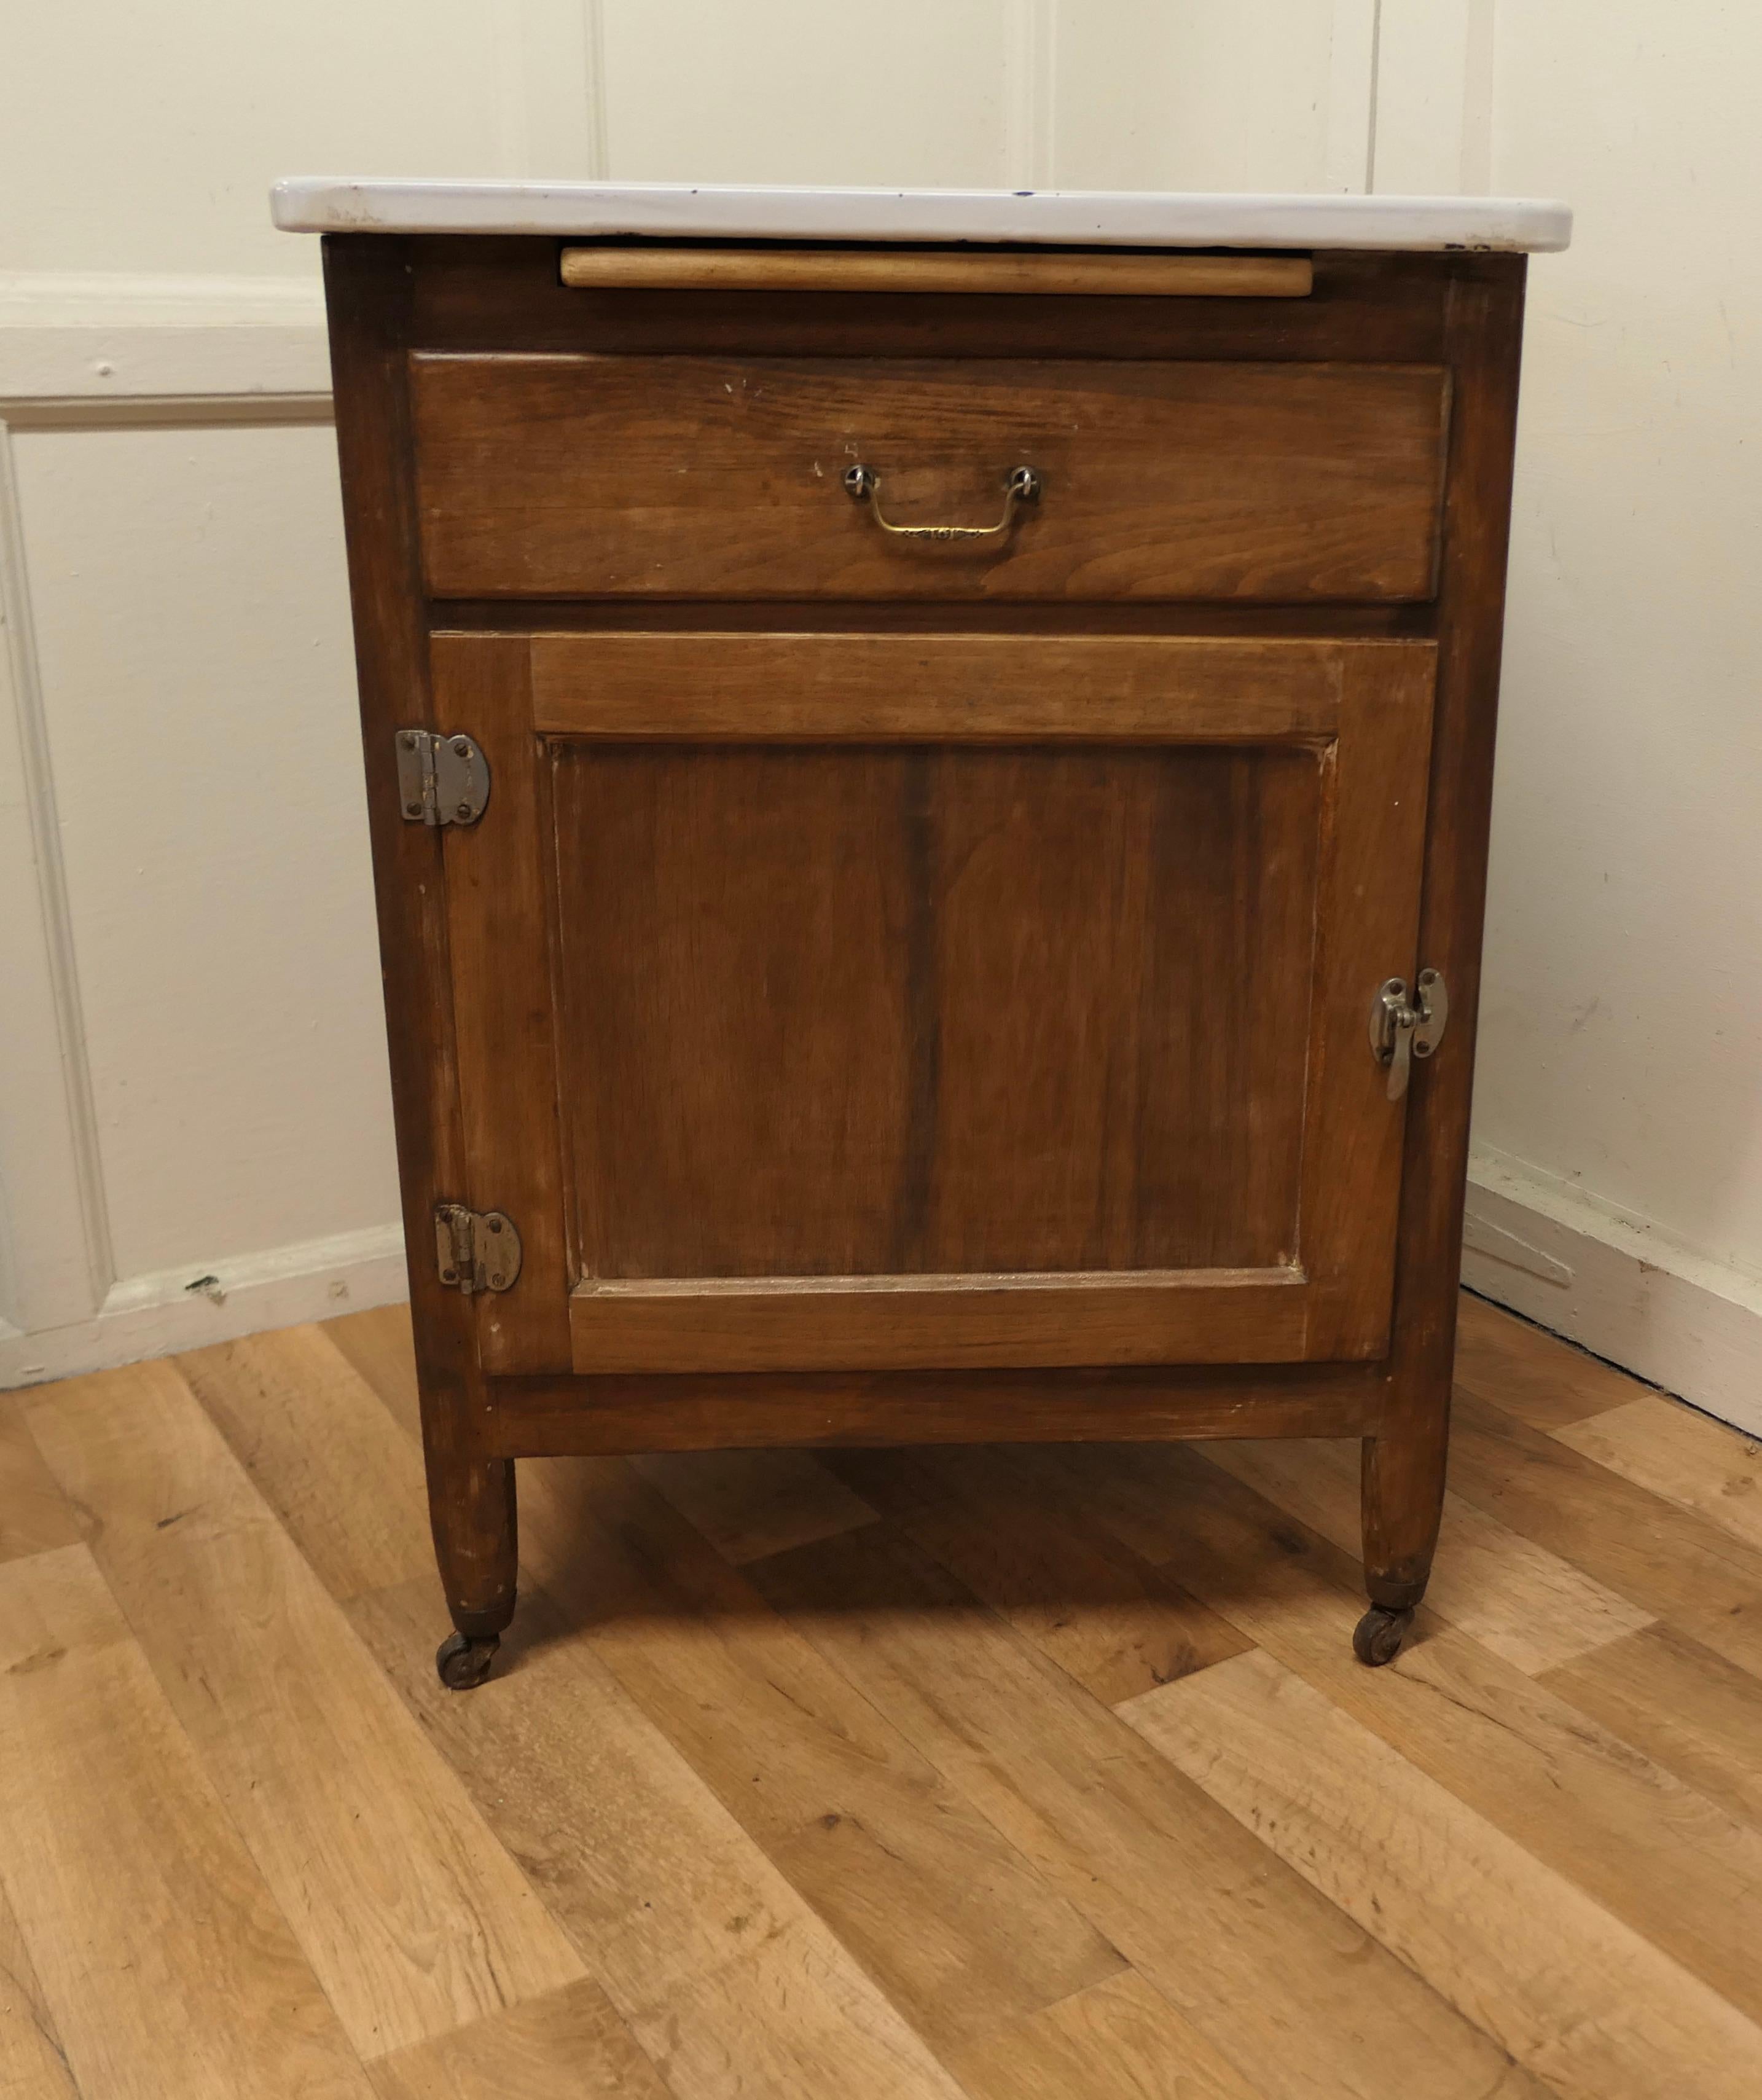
{"x":912,"y":1009}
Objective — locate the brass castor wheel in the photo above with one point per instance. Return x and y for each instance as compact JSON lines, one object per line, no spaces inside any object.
{"x":464,"y":1663}
{"x":1377,"y":1637}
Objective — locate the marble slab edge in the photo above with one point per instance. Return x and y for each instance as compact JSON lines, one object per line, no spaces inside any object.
{"x":330,"y":204}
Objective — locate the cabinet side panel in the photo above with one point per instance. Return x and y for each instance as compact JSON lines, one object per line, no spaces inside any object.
{"x":1485,"y":333}
{"x":367,"y":290}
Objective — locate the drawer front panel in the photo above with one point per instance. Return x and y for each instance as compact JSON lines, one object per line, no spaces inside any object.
{"x":711,"y":477}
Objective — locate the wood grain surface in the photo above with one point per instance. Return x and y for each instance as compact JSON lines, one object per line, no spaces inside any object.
{"x":1057,"y":272}
{"x":161,"y":1958}
{"x":1005,"y":1773}
{"x":736,"y":1325}
{"x":412,"y":1918}
{"x":488,"y":294}
{"x":498,"y":887}
{"x":704,"y":476}
{"x":860,"y":687}
{"x":661,"y":1411}
{"x":1332,"y":467}
{"x":836,"y":1013}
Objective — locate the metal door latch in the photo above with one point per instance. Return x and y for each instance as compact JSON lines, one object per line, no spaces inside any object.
{"x":475,"y":1250}
{"x":1400,"y":1032}
{"x":441,"y":779}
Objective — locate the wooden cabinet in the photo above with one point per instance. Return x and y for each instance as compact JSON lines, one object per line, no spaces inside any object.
{"x":857,"y":985}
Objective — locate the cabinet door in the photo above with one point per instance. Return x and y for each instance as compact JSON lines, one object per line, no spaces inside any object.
{"x":896,"y":1001}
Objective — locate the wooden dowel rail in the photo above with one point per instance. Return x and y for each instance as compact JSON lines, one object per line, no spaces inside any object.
{"x":670,"y":269}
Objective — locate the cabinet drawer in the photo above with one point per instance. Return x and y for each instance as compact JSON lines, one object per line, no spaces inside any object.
{"x":725,"y":477}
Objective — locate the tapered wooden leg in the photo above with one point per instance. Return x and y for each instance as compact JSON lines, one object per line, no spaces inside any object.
{"x":471,"y":1510}
{"x":1403,"y":1499}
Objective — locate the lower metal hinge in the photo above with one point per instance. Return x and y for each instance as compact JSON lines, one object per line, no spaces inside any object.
{"x":441,"y":779}
{"x":1400,"y":1032}
{"x":475,"y":1250}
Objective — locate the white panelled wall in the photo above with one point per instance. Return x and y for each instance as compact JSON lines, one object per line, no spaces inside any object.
{"x":194,"y":1127}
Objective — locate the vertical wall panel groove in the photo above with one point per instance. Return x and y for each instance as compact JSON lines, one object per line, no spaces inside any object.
{"x":598,"y":102}
{"x":1030,"y":73}
{"x":52,"y":891}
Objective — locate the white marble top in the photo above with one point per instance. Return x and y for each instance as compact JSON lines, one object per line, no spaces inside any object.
{"x":1145,"y":218}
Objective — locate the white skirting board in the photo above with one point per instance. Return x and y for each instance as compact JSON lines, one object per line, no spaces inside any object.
{"x":189,"y":1308}
{"x":1621,"y":1289}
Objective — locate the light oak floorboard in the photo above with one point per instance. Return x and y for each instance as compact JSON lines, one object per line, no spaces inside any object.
{"x":33,"y":2066}
{"x":162,"y":1959}
{"x":1109,"y":1620}
{"x":1653,"y":1850}
{"x":1117,"y":2040}
{"x":378,"y":1343}
{"x":571,"y":2045}
{"x":1660,"y":1444}
{"x":413,"y":1917}
{"x":1694,"y":1712}
{"x":331,"y":1465}
{"x":952,"y":1920}
{"x":1732,"y":1630}
{"x":35,"y":1516}
{"x":1665,"y":1558}
{"x":1193,"y":1901}
{"x":958,"y":1927}
{"x":1578,"y":1997}
{"x":750,"y":1503}
{"x":798,"y":1776}
{"x":1529,"y":1374}
{"x":1514,"y":1597}
{"x":728,"y":1979}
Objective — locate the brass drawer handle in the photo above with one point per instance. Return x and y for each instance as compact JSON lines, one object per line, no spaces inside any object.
{"x":1023,"y":486}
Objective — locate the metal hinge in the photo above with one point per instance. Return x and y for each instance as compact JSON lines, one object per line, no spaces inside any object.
{"x":1400,"y":1032}
{"x":441,"y":779}
{"x":475,"y":1250}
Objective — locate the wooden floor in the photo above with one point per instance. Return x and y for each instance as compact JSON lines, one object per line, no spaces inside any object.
{"x":1015,"y":1774}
